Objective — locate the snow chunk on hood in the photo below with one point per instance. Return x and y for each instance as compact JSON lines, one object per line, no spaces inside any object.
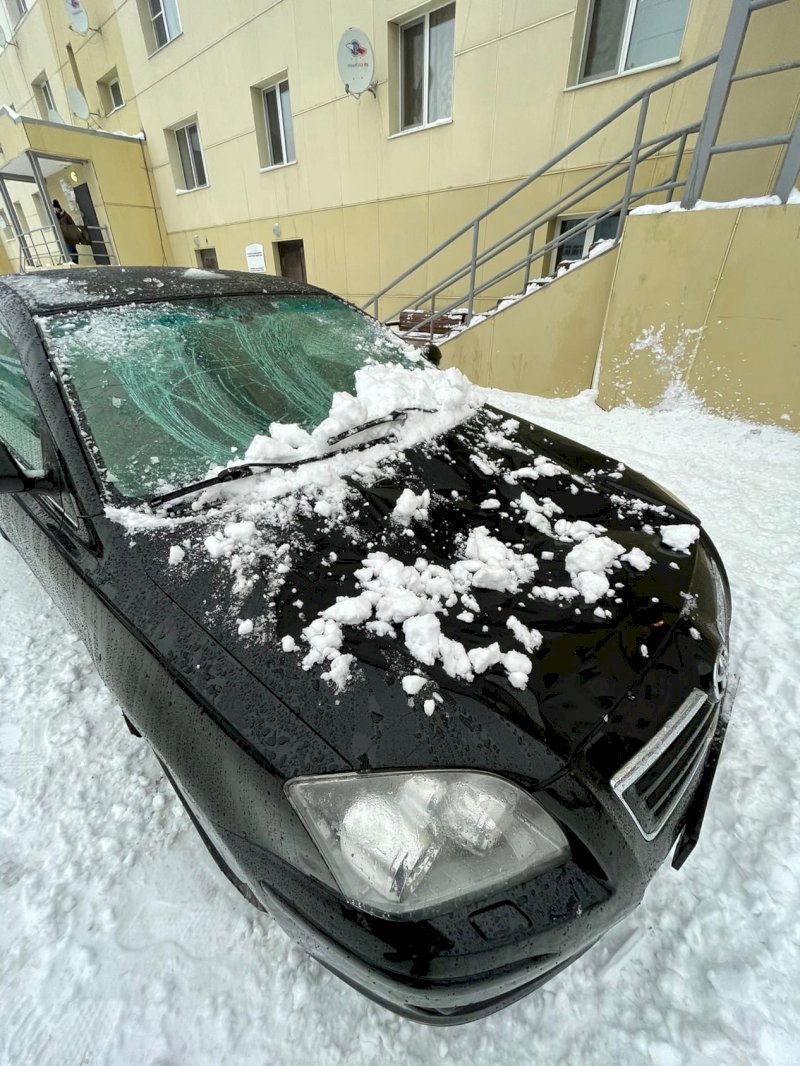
{"x":589,"y":562}
{"x":680,"y":538}
{"x":409,"y":506}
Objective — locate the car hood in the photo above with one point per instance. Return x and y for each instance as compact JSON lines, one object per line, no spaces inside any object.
{"x":447,"y":505}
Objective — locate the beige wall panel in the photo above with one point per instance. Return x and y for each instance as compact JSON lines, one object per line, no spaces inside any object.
{"x":405,"y":160}
{"x":320,"y":144}
{"x":706,"y":298}
{"x":660,"y":299}
{"x":462,"y":154}
{"x":530,"y":78}
{"x":326,"y":257}
{"x":759,"y":107}
{"x":472,"y":352}
{"x":476,"y":25}
{"x":546,"y":343}
{"x":361,"y":242}
{"x":359,"y":138}
{"x":396,"y":219}
{"x":518,"y":14}
{"x":749,"y":360}
{"x":754,"y":175}
{"x":135,"y":233}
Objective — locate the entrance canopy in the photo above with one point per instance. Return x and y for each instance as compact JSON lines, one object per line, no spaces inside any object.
{"x":99,"y":180}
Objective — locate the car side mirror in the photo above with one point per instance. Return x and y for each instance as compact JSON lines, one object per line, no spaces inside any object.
{"x":433,"y":353}
{"x":14,"y":479}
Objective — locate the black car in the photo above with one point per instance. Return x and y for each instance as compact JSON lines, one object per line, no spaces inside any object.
{"x":440,"y":689}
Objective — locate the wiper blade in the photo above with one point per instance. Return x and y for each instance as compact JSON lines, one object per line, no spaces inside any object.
{"x":240,"y":470}
{"x":393,"y":416}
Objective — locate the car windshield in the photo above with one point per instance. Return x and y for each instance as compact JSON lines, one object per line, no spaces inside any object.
{"x":164,"y":390}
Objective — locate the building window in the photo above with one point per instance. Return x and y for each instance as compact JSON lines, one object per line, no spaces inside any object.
{"x":627,"y":34}
{"x":279,"y":142}
{"x":115,"y":92}
{"x":578,"y":246}
{"x":426,"y":68}
{"x":44,"y":97}
{"x":190,"y":156}
{"x":161,"y":22}
{"x":16,"y":9}
{"x":111,"y":92}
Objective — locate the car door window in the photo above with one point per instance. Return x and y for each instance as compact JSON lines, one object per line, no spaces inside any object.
{"x":19,"y":415}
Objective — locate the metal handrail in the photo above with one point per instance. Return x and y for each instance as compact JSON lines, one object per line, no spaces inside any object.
{"x":43,"y":242}
{"x":556,"y":242}
{"x":662,"y":83}
{"x":564,"y":203}
{"x":626,"y":165}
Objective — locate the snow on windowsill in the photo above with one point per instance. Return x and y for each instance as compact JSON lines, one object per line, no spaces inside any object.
{"x":197,"y":188}
{"x":721,"y":205}
{"x":419,"y":129}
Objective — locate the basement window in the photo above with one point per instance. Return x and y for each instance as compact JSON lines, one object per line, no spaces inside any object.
{"x":623,"y":35}
{"x":578,"y":246}
{"x":426,"y":68}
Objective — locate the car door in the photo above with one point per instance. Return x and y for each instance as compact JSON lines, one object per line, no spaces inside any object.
{"x":58,"y":545}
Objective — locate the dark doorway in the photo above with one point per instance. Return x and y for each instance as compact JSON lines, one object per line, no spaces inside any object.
{"x":292,"y":260}
{"x":89,"y":215}
{"x":207,"y":259}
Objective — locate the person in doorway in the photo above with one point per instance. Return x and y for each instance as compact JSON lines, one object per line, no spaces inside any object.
{"x":69,"y":230}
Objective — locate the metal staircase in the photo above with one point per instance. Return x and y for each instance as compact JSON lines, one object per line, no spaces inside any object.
{"x":505,"y":265}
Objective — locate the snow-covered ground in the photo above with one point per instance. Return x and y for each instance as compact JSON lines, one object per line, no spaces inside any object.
{"x":121,"y":943}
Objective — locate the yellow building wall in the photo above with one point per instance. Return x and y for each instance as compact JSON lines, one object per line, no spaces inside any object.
{"x":707,"y":300}
{"x":366,"y":201}
{"x":544,"y":344}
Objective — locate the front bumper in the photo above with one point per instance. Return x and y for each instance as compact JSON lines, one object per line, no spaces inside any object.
{"x":477,"y":959}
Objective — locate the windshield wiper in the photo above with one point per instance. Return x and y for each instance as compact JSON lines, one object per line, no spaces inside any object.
{"x":393,"y":416}
{"x":240,"y":470}
{"x":247,"y":469}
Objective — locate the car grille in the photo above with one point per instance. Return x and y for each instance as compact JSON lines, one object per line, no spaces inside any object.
{"x":652,"y":783}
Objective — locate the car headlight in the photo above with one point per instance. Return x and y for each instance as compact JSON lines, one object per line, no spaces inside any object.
{"x":400,"y":842}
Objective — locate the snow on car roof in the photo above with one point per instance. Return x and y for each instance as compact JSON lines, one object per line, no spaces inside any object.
{"x":58,"y":290}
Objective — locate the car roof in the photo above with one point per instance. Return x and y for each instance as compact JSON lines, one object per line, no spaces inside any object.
{"x":66,"y":289}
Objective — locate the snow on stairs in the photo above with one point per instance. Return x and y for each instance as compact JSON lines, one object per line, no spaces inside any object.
{"x":413,"y":324}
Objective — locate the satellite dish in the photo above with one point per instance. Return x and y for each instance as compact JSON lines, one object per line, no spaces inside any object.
{"x":78,"y":19}
{"x":54,"y":116}
{"x":77,"y":103}
{"x":356,"y":61}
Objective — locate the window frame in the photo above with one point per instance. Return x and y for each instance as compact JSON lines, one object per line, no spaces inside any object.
{"x":589,"y":239}
{"x":43,"y":94}
{"x":275,"y":87}
{"x":620,"y":70}
{"x":111,"y":82}
{"x":424,"y":18}
{"x":148,"y":20}
{"x":17,"y":10}
{"x":175,"y":131}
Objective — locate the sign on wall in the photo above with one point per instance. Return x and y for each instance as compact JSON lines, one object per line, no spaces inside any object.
{"x":254,"y":254}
